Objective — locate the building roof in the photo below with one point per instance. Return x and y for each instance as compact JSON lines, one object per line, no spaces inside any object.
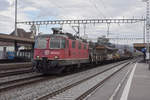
{"x":22,"y":33}
{"x":23,"y":37}
{"x":139,"y":46}
{"x":6,"y":43}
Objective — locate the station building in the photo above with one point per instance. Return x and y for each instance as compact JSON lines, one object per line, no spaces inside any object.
{"x":11,"y":43}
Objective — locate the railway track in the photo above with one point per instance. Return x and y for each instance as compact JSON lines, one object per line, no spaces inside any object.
{"x":15,"y":72}
{"x":12,"y":66}
{"x":10,"y":69}
{"x":5,"y":86}
{"x":82,"y":88}
{"x":55,"y":84}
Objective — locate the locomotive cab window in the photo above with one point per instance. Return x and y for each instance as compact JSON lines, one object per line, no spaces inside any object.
{"x":73,"y":44}
{"x":57,"y":43}
{"x":40,"y":43}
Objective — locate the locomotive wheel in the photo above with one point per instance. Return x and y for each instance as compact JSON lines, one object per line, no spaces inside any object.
{"x":71,"y":68}
{"x":67,"y":69}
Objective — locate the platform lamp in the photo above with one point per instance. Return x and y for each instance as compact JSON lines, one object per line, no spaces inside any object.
{"x":16,"y":33}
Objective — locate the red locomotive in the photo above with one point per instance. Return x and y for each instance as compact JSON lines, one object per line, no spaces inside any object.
{"x":53,"y":53}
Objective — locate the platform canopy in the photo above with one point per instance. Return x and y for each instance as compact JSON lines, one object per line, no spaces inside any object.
{"x":9,"y":38}
{"x":139,"y":46}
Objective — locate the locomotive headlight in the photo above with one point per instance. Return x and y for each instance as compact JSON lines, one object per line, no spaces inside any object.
{"x":38,"y":57}
{"x":56,"y":57}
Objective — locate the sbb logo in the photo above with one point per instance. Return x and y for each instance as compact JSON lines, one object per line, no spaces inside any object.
{"x":46,"y":52}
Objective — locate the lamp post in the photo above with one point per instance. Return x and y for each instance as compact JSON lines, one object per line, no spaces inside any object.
{"x":16,"y":33}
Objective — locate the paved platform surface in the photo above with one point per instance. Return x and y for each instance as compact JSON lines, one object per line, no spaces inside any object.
{"x":140,"y":87}
{"x":135,"y":87}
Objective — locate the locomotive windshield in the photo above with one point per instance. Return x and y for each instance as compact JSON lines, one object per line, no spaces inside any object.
{"x":40,"y":43}
{"x":57,"y":43}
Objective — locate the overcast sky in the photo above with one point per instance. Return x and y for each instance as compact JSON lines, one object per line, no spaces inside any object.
{"x":75,"y":9}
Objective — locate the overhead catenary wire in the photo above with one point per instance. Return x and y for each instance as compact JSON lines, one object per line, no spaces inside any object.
{"x":103,"y":3}
{"x":98,"y":10}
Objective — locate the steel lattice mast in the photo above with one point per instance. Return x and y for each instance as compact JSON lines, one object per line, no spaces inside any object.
{"x":147,"y":27}
{"x":16,"y":33}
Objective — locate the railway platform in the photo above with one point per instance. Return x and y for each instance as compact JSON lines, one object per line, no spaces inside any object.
{"x":140,"y":87}
{"x":136,"y":86}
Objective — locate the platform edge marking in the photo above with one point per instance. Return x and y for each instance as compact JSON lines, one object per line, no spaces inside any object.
{"x":128,"y":85}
